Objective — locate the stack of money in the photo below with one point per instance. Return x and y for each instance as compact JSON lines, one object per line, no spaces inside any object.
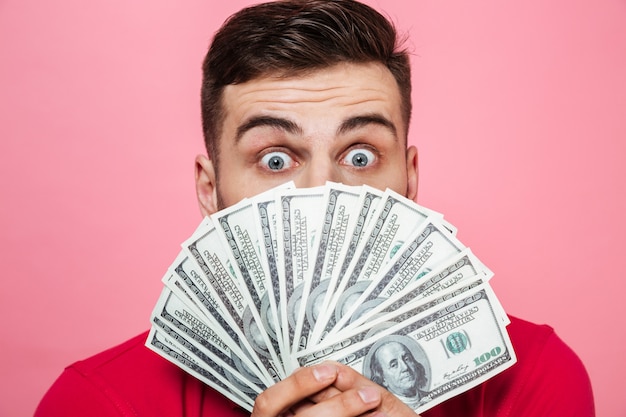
{"x":296,"y":276}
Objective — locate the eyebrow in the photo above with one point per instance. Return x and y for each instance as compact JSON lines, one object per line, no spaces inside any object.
{"x":350,"y":124}
{"x":268,"y":121}
{"x":357,"y":122}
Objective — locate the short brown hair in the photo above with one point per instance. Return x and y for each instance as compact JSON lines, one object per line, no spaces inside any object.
{"x":292,"y":37}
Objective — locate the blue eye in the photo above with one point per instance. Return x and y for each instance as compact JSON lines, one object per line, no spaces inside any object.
{"x":359,"y":158}
{"x":276,"y":161}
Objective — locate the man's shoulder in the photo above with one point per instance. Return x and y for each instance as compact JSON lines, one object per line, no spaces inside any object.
{"x":528,"y":335}
{"x":123,"y":357}
{"x":548,"y":379}
{"x":539,"y":345}
{"x":109,"y":383}
{"x":129,"y":379}
{"x":538,"y":349}
{"x":548,"y":373}
{"x":98,"y":359}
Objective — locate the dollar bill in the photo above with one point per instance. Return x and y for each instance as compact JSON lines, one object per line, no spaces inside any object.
{"x":237,"y":227}
{"x":176,"y":285}
{"x":436,"y":355}
{"x":393,"y":295}
{"x":397,"y":218}
{"x":362,"y":217}
{"x":173,"y":315}
{"x":187,"y":282}
{"x":211,"y":255}
{"x":300,"y":221}
{"x":172,"y":348}
{"x":184,"y":280}
{"x":423,"y":250}
{"x":376,"y":323}
{"x":292,"y":277}
{"x":266,"y":218}
{"x":334,"y":235}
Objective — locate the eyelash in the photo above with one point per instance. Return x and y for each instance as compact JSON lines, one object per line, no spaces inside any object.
{"x":294,"y":159}
{"x":366,"y":149}
{"x":266,"y":153}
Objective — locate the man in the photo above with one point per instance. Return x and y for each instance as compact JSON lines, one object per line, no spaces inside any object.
{"x":394,"y":367}
{"x":310,"y":91}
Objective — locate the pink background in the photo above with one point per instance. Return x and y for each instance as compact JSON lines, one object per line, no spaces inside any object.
{"x":520,"y":117}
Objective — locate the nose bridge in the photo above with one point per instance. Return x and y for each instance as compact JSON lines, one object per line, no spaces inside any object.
{"x":318,"y":170}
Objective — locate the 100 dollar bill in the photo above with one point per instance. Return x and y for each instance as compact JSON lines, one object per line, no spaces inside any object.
{"x":232,"y":295}
{"x":388,"y":295}
{"x":171,"y":346}
{"x":395,"y":220}
{"x":423,"y":250}
{"x":432,"y":356}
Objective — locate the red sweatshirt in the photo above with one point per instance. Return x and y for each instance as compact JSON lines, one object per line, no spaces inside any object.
{"x":131,"y":380}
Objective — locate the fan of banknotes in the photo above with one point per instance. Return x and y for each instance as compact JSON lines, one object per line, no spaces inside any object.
{"x":296,"y":276}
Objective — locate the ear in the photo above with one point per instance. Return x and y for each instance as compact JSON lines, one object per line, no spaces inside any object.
{"x":412,"y":172}
{"x":206,"y":188}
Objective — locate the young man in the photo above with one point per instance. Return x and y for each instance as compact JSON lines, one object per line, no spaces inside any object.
{"x":310,"y":91}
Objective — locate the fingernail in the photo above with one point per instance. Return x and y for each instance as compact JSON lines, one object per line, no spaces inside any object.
{"x":324,"y":372}
{"x":369,"y":394}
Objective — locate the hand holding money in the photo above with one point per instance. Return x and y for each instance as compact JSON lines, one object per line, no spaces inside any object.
{"x":328,"y":389}
{"x":295,"y":277}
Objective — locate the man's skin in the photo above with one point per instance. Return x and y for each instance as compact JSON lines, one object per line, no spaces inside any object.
{"x":341,"y":124}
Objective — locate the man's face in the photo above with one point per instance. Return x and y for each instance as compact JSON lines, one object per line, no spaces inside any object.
{"x":399,"y":370}
{"x":341,"y":124}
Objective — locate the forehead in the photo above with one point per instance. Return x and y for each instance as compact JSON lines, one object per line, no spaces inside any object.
{"x":338,"y":91}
